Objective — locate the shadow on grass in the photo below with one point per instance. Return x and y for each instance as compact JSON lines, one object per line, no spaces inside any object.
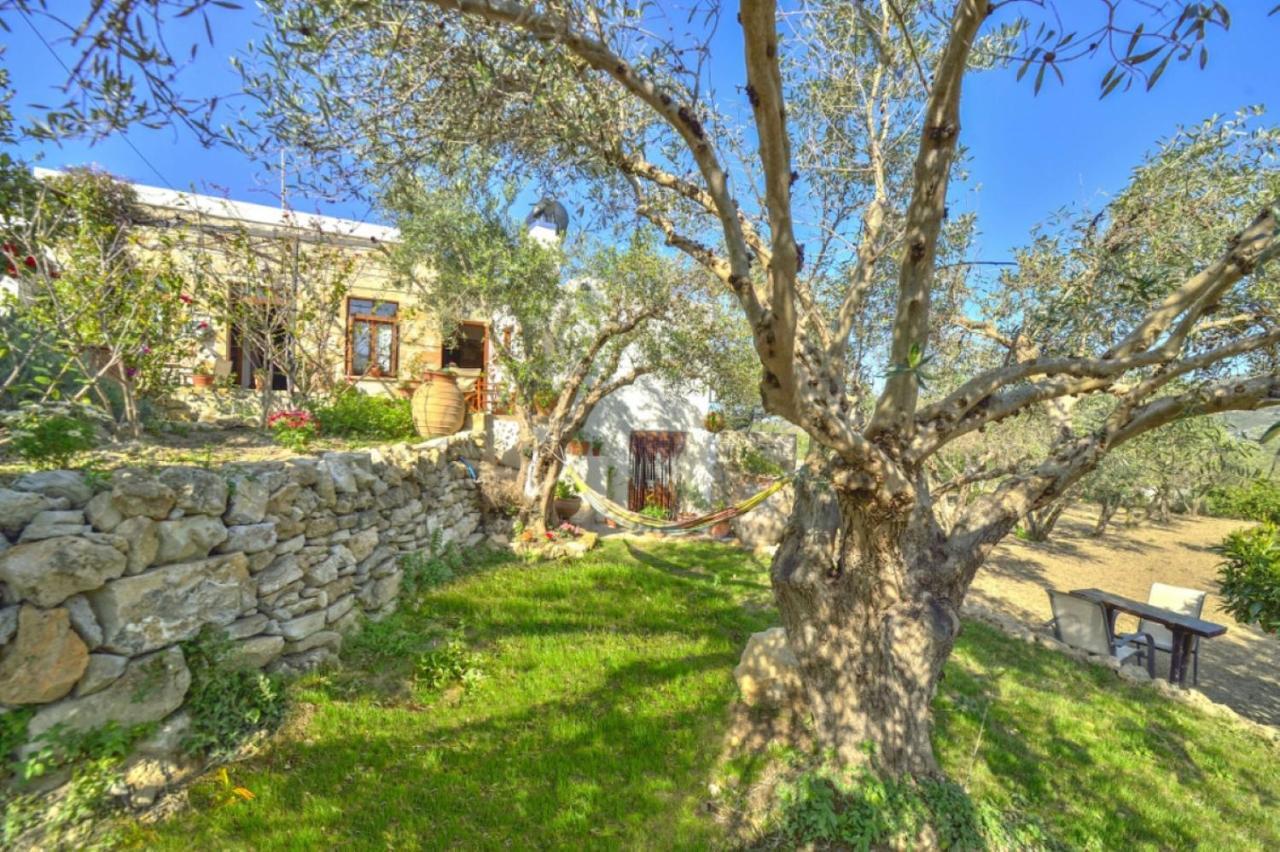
{"x":603,"y":710}
{"x":1101,"y":759}
{"x":597,"y":724}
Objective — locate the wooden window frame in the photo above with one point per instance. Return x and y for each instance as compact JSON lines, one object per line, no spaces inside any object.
{"x":372,"y":319}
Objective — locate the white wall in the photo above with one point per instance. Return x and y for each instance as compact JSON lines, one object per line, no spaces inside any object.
{"x":650,"y":405}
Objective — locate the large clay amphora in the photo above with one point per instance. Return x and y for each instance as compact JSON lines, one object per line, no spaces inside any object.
{"x":439,"y":408}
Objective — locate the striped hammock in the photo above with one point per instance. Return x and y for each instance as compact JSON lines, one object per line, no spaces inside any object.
{"x":635,"y":520}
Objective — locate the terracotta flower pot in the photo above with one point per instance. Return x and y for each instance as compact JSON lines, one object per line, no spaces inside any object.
{"x":439,"y":407}
{"x":721,"y":530}
{"x":201,"y":380}
{"x":567,"y":507}
{"x":576,"y":448}
{"x":595,"y":450}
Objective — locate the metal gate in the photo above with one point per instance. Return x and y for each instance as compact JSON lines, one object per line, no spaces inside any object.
{"x":652,"y":480}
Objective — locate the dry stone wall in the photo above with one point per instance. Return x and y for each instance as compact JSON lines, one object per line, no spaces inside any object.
{"x":100,"y":580}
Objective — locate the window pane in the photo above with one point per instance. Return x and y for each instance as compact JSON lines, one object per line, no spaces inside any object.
{"x":384,"y":336}
{"x":385,"y":309}
{"x":359,"y":348}
{"x":361,"y":306}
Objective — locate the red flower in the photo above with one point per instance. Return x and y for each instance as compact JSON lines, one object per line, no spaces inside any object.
{"x":30,"y":262}
{"x":186,"y":300}
{"x":10,"y":248}
{"x":550,"y":537}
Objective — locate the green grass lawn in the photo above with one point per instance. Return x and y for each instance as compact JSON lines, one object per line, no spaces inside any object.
{"x":596,"y":696}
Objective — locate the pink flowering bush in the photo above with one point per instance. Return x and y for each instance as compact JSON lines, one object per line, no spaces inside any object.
{"x":565,"y":531}
{"x":294,"y":428}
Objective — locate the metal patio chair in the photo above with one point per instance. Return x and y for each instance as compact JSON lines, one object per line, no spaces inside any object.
{"x":1084,"y":624}
{"x":1175,"y":599}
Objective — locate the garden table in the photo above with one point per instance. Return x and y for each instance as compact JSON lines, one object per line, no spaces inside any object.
{"x":1183,"y":627}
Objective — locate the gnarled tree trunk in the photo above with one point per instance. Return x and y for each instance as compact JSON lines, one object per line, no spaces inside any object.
{"x":540,"y":507}
{"x":858,"y":583}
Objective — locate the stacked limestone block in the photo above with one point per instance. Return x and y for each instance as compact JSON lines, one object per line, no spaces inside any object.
{"x":100,"y":580}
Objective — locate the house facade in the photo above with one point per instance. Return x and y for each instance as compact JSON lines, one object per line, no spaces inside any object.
{"x":379,"y":339}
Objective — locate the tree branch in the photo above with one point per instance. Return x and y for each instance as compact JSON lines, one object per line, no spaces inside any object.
{"x":924,"y":219}
{"x":764,"y":88}
{"x":555,"y":28}
{"x":631,"y":164}
{"x":1256,"y":244}
{"x":992,"y":516}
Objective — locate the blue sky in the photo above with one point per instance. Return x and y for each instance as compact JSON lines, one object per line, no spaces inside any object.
{"x":1030,"y":155}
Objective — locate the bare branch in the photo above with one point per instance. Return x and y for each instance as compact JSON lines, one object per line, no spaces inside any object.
{"x":631,"y":164}
{"x":924,"y":219}
{"x":764,"y":82}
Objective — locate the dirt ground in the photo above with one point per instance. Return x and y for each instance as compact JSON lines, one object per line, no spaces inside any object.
{"x":1240,"y":669}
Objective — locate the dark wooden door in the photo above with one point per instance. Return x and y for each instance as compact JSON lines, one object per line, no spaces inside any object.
{"x":652,"y":482}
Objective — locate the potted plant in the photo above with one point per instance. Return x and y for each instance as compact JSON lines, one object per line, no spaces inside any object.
{"x":596,"y":446}
{"x":374,"y":372}
{"x":260,"y":378}
{"x":578,"y":444}
{"x":202,"y":375}
{"x":567,"y":500}
{"x":544,"y":399}
{"x":406,"y":388}
{"x":714,"y":422}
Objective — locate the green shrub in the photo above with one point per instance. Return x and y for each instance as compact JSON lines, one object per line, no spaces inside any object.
{"x":51,"y":441}
{"x":1250,"y":578}
{"x":13,"y":733}
{"x":1258,"y":500}
{"x":352,"y":414}
{"x":756,"y":463}
{"x":227,"y":700}
{"x":449,"y":663}
{"x":94,"y":758}
{"x":434,"y":566}
{"x":828,"y":808}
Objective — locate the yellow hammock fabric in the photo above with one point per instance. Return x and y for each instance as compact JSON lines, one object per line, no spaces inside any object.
{"x":631,"y":519}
